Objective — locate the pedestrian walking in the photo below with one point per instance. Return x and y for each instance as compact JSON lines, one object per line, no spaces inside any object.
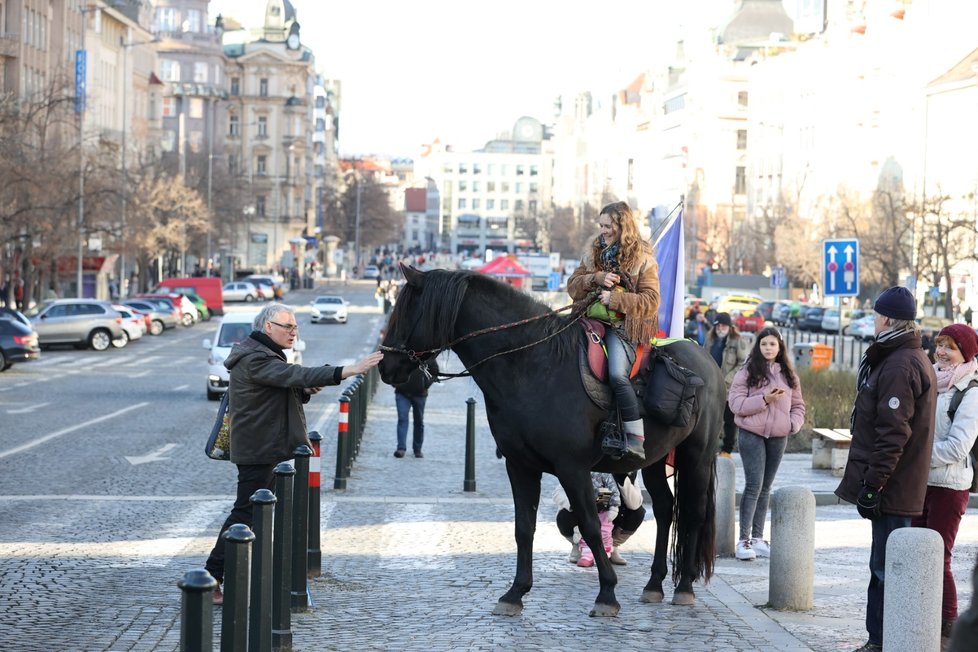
{"x":621,"y":267}
{"x":410,"y":397}
{"x":892,"y":436}
{"x":265,"y":399}
{"x":955,"y":431}
{"x":765,"y":398}
{"x":729,"y":350}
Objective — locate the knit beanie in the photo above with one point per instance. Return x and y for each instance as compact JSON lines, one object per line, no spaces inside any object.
{"x":896,"y":303}
{"x":723,"y":318}
{"x":964,"y":338}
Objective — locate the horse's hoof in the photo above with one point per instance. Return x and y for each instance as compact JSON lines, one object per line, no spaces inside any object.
{"x":605,"y":610}
{"x":685,"y":599}
{"x":507,"y":609}
{"x":652,"y":597}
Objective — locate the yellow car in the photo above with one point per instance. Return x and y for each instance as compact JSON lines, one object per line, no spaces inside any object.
{"x":745,"y":303}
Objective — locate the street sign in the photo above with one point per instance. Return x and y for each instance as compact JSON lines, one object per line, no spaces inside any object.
{"x":553,"y":282}
{"x":80,"y":60}
{"x":778,"y":277}
{"x":840,"y":267}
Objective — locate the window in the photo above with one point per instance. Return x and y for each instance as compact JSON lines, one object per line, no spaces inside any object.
{"x":166,"y":19}
{"x":518,"y":205}
{"x":740,"y":183}
{"x":234,"y":125}
{"x":200,"y":72}
{"x":533,"y":171}
{"x":196,"y":109}
{"x":519,"y":172}
{"x":448,"y":168}
{"x":192,"y":24}
{"x":169,"y":70}
{"x":504,"y":204}
{"x":235,"y":86}
{"x":741,"y":139}
{"x":532,"y":206}
{"x":519,"y":188}
{"x":262,"y":126}
{"x":261,"y":165}
{"x":463,"y":168}
{"x":742,"y":98}
{"x":169,"y":140}
{"x":462,"y":203}
{"x":504,"y":186}
{"x":169,"y":107}
{"x":260,"y":205}
{"x":490,"y":204}
{"x":263,"y":87}
{"x":490,"y":168}
{"x":476,"y":186}
{"x":476,"y":203}
{"x":476,"y":168}
{"x":534,"y":188}
{"x":490,"y":186}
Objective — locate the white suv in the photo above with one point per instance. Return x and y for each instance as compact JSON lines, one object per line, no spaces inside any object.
{"x":234,"y":327}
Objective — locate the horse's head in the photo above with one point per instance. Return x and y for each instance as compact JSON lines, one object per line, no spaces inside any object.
{"x":421,"y":322}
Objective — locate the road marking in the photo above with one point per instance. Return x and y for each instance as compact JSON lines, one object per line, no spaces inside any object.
{"x":179,"y":387}
{"x":140,"y":374}
{"x":30,"y":408}
{"x":65,"y":431}
{"x":155,"y":456}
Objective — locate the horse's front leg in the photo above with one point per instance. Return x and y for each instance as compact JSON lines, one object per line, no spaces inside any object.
{"x":580,"y":493}
{"x":525,"y":483}
{"x":662,"y":506}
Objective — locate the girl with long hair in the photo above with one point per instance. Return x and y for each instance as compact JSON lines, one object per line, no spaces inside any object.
{"x":766,"y":401}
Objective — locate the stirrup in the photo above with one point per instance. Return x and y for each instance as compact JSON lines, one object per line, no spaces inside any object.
{"x":612,"y":441}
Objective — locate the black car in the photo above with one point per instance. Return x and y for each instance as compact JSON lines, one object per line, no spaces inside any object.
{"x":811,"y":319}
{"x":18,"y":343}
{"x":14,"y":315}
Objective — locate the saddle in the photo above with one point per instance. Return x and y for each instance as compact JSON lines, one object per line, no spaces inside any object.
{"x":672,"y":402}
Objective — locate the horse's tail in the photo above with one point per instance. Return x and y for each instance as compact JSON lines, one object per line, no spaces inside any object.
{"x":688,"y":530}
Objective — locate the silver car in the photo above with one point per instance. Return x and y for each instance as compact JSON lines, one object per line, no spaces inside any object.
{"x":82,"y":322}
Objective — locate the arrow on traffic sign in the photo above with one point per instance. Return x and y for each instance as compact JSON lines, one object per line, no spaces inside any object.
{"x":848,"y":272}
{"x":155,"y":456}
{"x":832,"y":266}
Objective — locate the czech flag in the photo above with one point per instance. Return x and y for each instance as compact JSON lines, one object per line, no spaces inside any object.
{"x":670,"y":253}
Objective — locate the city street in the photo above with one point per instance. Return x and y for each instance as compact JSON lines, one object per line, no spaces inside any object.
{"x":104,"y":483}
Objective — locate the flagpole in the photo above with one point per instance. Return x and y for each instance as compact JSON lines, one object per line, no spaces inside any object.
{"x":682,"y":201}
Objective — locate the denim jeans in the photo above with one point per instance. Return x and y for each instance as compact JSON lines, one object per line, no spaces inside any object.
{"x":761,"y":458}
{"x":943,"y":509}
{"x":882,"y":527}
{"x":416,"y":404}
{"x":251,"y":478}
{"x":618,"y":368}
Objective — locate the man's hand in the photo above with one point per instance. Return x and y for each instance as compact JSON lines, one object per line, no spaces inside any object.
{"x":868,"y":503}
{"x":312,"y":391}
{"x":361,"y":366}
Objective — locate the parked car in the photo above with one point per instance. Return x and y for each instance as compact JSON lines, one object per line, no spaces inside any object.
{"x":863,"y":328}
{"x":160,"y":320}
{"x":270,"y":286}
{"x":745,"y":303}
{"x":133,"y":325}
{"x":197,"y":306}
{"x":18,"y":343}
{"x":234,"y":327}
{"x":766,"y":308}
{"x":241,"y":291}
{"x":185,"y":309}
{"x":831,"y":320}
{"x":15,"y":315}
{"x":781,"y":313}
{"x":748,"y":323}
{"x":329,"y":308}
{"x":811,"y":319}
{"x":371,"y":272}
{"x":207,"y":287}
{"x":82,"y":322}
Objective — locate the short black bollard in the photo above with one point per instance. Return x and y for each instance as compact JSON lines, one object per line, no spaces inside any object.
{"x":234,"y":615}
{"x":197,"y":611}
{"x":260,"y":614}
{"x":300,"y":528}
{"x":469,"y":483}
{"x":339,"y":477}
{"x":314,"y":555}
{"x":282,"y":558}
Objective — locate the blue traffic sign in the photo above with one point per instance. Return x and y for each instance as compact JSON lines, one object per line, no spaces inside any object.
{"x":80,"y":80}
{"x":840,"y":267}
{"x":553,"y":281}
{"x":778,"y":277}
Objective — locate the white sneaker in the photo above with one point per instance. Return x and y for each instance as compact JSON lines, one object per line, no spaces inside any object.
{"x":744,"y":551}
{"x":761,"y":547}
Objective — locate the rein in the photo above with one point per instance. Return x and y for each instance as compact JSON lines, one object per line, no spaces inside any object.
{"x":419,"y":357}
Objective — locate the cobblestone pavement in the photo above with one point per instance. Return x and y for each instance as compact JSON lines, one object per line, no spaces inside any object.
{"x":412,"y":562}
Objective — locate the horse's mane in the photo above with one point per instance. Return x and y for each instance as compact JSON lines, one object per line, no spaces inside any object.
{"x":439,"y":301}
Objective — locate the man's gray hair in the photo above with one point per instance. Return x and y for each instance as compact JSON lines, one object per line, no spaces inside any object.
{"x":269,"y":313}
{"x":905,"y":325}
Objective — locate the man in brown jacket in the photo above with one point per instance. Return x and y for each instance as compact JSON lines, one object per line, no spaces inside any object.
{"x":892,"y":435}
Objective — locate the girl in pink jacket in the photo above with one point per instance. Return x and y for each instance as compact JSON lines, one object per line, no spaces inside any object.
{"x":766,"y":401}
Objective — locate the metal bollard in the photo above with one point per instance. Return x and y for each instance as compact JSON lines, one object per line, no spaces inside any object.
{"x":791,"y":580}
{"x":314,"y":556}
{"x":234,"y":615}
{"x":197,"y":611}
{"x":726,"y":506}
{"x":469,"y":483}
{"x":282,"y":558}
{"x":339,"y":478}
{"x":260,"y":615}
{"x":300,"y":528}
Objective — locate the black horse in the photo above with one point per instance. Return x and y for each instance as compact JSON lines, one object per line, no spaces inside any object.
{"x":543,"y":421}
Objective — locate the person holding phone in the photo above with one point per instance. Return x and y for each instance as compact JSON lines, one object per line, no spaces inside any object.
{"x":766,"y":401}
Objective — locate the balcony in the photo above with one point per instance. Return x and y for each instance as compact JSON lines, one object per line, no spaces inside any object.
{"x":9,"y":44}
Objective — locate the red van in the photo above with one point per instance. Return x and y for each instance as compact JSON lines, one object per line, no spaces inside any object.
{"x":209,"y":288}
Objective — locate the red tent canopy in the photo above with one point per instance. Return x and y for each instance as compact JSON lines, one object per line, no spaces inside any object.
{"x":506,"y":268}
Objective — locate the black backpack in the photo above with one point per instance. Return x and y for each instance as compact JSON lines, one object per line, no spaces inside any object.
{"x":952,"y":408}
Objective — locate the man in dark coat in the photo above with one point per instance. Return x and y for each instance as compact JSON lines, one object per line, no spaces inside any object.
{"x":892,"y":435}
{"x":411,"y":396}
{"x":266,"y":395}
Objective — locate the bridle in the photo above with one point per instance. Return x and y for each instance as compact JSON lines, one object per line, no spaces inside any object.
{"x":421,"y":358}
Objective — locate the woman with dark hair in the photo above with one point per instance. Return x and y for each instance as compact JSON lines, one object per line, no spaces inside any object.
{"x":621,"y":267}
{"x":766,"y":401}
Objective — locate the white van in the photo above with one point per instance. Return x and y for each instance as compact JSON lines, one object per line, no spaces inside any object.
{"x":234,"y":327}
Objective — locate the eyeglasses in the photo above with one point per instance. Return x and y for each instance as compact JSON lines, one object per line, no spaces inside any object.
{"x":291,"y":328}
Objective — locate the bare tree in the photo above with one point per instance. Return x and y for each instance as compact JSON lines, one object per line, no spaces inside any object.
{"x":944,"y":237}
{"x":797,"y":241}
